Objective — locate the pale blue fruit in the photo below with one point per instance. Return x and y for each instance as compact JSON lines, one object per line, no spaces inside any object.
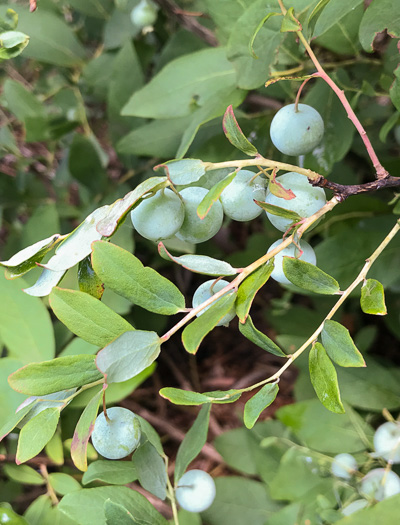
{"x":194,"y":229}
{"x":144,"y":14}
{"x":204,"y":292}
{"x":344,"y":465}
{"x":238,"y":198}
{"x":195,"y":491}
{"x":380,"y":484}
{"x":308,"y":255}
{"x":296,"y":132}
{"x":117,"y":437}
{"x":159,"y":217}
{"x":387,"y":441}
{"x":307,"y":201}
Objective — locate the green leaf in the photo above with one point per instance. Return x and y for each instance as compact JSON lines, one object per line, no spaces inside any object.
{"x":58,"y":374}
{"x":45,"y":283}
{"x":186,"y":397}
{"x":308,"y":276}
{"x":257,"y":30}
{"x":9,"y":399}
{"x":90,"y":504}
{"x":199,"y":263}
{"x":23,"y":474}
{"x":63,"y":483}
{"x":116,"y":513}
{"x":88,"y":280}
{"x":373,"y":298}
{"x":259,"y":402}
{"x":258,"y":338}
{"x":36,"y":433}
{"x":339,"y":345}
{"x":196,"y":331}
{"x":380,"y":15}
{"x":235,"y":135}
{"x":213,"y":195}
{"x":128,"y":355}
{"x":281,"y":212}
{"x":22,"y":102}
{"x":25,"y":325}
{"x":151,"y":470}
{"x":83,"y":431}
{"x":381,"y":512}
{"x":54,"y":448}
{"x":183,"y":84}
{"x":193,"y":442}
{"x":324,"y":379}
{"x":290,"y":22}
{"x":151,"y":435}
{"x":315,"y":14}
{"x":110,"y":472}
{"x":14,"y":420}
{"x":94,"y":8}
{"x":276,"y":188}
{"x":249,"y":288}
{"x":87,"y":317}
{"x":394,"y":90}
{"x":182,"y":172}
{"x":85,"y":163}
{"x":124,"y":274}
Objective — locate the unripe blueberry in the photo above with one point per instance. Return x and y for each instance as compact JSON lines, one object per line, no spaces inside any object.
{"x":387,"y":441}
{"x":144,"y":14}
{"x":194,"y":229}
{"x":308,"y":255}
{"x":195,"y":491}
{"x":207,"y":290}
{"x":238,"y":198}
{"x":307,"y":201}
{"x":159,"y":217}
{"x":296,"y":132}
{"x":118,"y":436}
{"x":343,"y":466}
{"x":380,"y":484}
{"x":354,"y":506}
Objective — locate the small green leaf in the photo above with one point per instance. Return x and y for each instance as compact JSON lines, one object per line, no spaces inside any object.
{"x":339,"y":345}
{"x":58,"y":374}
{"x":128,"y":355}
{"x":373,"y":298}
{"x":281,"y":212}
{"x":36,"y":433}
{"x":88,"y":280}
{"x":83,"y":431}
{"x":63,"y":483}
{"x":290,"y":22}
{"x":193,"y":442}
{"x":54,"y":448}
{"x":196,"y":331}
{"x":116,"y":513}
{"x":235,"y":135}
{"x":151,"y":435}
{"x":12,"y":422}
{"x":324,"y":379}
{"x":87,"y":317}
{"x":213,"y":195}
{"x":249,"y":288}
{"x":123,"y":273}
{"x":312,"y":19}
{"x":308,"y":276}
{"x":189,"y":398}
{"x":258,"y":403}
{"x":199,"y":263}
{"x":110,"y":472}
{"x":23,"y":474}
{"x":258,"y":338}
{"x":182,"y":172}
{"x":151,"y":470}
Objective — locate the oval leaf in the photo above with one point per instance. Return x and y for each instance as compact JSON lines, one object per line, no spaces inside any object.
{"x":182,"y":172}
{"x":116,"y":513}
{"x":151,"y":470}
{"x":213,"y":195}
{"x":36,"y":434}
{"x":186,"y":397}
{"x":373,"y":298}
{"x":340,"y":346}
{"x":235,"y":135}
{"x":281,"y":212}
{"x":258,"y":403}
{"x":258,"y":338}
{"x":308,"y":276}
{"x":110,"y":472}
{"x":324,"y":379}
{"x":249,"y":288}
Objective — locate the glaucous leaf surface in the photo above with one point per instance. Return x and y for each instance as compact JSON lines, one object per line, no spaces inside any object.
{"x":183,"y":171}
{"x":110,"y":472}
{"x":151,"y":470}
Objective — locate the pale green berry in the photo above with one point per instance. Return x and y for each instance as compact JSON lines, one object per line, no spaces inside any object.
{"x":195,"y":491}
{"x":144,"y":14}
{"x":308,"y":255}
{"x":344,"y":465}
{"x":207,"y":290}
{"x":387,"y":441}
{"x":238,"y":198}
{"x":380,"y":484}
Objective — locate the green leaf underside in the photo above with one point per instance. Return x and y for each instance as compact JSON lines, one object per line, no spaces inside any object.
{"x":36,"y":434}
{"x":188,"y":398}
{"x":151,"y":435}
{"x":195,"y":332}
{"x":9,"y":425}
{"x":258,"y":338}
{"x":110,"y":472}
{"x":151,"y":470}
{"x":249,"y":288}
{"x":235,"y":135}
{"x":259,"y":402}
{"x":59,"y":374}
{"x":339,"y":345}
{"x":213,"y":195}
{"x":373,"y":298}
{"x":308,"y":276}
{"x":124,"y":274}
{"x":116,"y":513}
{"x":128,"y":355}
{"x":83,"y":431}
{"x":87,"y":317}
{"x":199,"y":263}
{"x":324,"y":379}
{"x":23,"y":474}
{"x":281,"y":212}
{"x":181,"y":172}
{"x":193,"y":442}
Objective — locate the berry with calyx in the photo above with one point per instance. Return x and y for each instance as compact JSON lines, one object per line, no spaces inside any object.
{"x":195,"y":491}
{"x":307,"y":201}
{"x":118,"y":435}
{"x":144,"y":14}
{"x":207,"y":290}
{"x":308,"y":255}
{"x":387,"y":441}
{"x":344,"y":465}
{"x":238,"y":198}
{"x":380,"y":484}
{"x":296,"y":132}
{"x":159,"y":217}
